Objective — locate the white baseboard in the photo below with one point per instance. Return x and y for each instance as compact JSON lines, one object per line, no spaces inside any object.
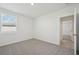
{"x":46,"y":41}
{"x":11,"y":42}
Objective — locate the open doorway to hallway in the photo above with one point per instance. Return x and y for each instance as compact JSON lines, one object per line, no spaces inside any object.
{"x":67,"y":31}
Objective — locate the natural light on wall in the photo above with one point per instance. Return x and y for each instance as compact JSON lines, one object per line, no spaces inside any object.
{"x":8,"y":23}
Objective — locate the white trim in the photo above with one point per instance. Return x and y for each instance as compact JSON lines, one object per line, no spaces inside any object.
{"x":12,"y":42}
{"x":75,"y":15}
{"x":2,"y":22}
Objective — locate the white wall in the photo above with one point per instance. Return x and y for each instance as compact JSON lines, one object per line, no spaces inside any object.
{"x":24,"y":29}
{"x":47,"y":27}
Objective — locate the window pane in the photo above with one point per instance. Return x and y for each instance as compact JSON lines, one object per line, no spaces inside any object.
{"x":8,"y":23}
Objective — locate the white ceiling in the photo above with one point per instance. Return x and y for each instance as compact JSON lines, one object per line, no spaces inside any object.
{"x":36,"y":10}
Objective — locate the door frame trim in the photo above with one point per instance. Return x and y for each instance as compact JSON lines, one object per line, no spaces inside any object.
{"x":65,"y":19}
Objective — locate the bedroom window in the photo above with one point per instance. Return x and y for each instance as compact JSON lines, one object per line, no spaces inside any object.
{"x":8,"y":23}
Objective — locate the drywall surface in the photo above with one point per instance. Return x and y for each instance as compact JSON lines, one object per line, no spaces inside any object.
{"x":47,"y":27}
{"x":23,"y":29}
{"x":77,"y":31}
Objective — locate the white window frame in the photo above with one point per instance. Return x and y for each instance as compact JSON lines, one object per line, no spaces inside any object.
{"x":2,"y":26}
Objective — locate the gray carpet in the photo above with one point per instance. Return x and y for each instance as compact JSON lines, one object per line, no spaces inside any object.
{"x":34,"y":47}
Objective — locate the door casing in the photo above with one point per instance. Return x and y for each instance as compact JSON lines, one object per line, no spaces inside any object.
{"x":66,"y":18}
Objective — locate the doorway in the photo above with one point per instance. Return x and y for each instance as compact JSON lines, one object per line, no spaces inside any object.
{"x":67,"y":31}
